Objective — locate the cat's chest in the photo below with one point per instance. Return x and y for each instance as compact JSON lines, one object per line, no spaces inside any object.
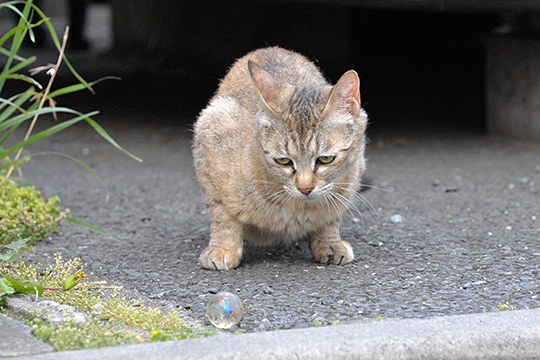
{"x":289,"y":220}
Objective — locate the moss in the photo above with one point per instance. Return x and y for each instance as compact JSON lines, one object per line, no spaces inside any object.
{"x":504,"y":306}
{"x":112,"y":319}
{"x":25,"y":214}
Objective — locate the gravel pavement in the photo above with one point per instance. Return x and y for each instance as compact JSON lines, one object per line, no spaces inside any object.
{"x":512,"y":335}
{"x":454,"y":228}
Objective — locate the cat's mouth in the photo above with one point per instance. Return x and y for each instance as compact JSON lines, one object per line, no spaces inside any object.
{"x":311,"y":197}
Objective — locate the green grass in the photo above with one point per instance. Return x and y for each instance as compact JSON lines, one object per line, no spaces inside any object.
{"x":24,"y":214}
{"x":505,"y":306}
{"x":112,"y":319}
{"x":25,"y":217}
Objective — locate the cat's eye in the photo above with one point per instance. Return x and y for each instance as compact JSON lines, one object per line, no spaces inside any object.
{"x":283,"y":161}
{"x":325,"y":159}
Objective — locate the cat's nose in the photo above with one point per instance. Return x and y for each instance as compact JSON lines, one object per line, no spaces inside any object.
{"x":306,"y":190}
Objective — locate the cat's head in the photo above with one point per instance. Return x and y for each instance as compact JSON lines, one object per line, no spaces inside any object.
{"x":311,"y":136}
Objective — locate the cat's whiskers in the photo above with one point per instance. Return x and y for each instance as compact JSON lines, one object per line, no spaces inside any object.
{"x":269,"y":200}
{"x":328,"y":196}
{"x":348,"y":204}
{"x":279,"y":197}
{"x":362,"y":198}
{"x":341,"y":200}
{"x":266,"y":182}
{"x":267,"y":196}
{"x":366,"y":186}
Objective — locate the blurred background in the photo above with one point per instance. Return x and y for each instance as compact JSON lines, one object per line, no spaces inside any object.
{"x":422,"y":63}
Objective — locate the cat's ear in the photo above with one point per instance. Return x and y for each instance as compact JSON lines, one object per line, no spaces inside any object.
{"x":271,"y":91}
{"x":345,"y":95}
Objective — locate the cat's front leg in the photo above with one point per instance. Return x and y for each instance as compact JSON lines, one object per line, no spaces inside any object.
{"x":226,"y":245}
{"x":328,"y":248}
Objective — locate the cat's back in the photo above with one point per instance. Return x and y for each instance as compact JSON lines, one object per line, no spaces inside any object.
{"x":284,"y":65}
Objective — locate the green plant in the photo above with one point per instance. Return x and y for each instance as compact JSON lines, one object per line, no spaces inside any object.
{"x":24,"y":214}
{"x":111,"y":319}
{"x":37,"y":100}
{"x":28,"y":106}
{"x":504,"y":306}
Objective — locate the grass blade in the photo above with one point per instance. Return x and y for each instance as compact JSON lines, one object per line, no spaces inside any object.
{"x":46,"y":133}
{"x":16,"y":57}
{"x":58,"y":45}
{"x":22,"y":63}
{"x":21,"y":99}
{"x":16,"y":120}
{"x":6,"y":163}
{"x":20,"y":32}
{"x":81,"y":164}
{"x":7,"y":36}
{"x":78,"y":87}
{"x":53,"y":130}
{"x":101,"y":131}
{"x":86,"y":225}
{"x":24,"y":78}
{"x":12,"y":106}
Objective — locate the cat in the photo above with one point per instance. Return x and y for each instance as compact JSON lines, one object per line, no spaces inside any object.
{"x":279,"y":154}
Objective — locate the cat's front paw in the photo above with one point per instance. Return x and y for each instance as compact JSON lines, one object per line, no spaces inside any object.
{"x":217,"y":258}
{"x":338,"y":253}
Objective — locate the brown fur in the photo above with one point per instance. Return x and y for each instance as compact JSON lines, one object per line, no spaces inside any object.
{"x":275,"y":104}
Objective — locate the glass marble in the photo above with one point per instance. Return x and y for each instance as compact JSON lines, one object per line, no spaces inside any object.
{"x":224,"y":310}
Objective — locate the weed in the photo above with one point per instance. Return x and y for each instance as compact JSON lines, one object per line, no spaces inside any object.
{"x":112,"y":319}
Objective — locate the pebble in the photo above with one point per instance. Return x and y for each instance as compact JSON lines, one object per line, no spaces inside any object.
{"x":266,"y":289}
{"x":264,"y":325}
{"x":50,"y":311}
{"x":396,"y":219}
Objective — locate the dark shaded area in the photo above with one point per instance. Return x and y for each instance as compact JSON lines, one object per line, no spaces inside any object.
{"x":455,"y":223}
{"x":420,"y":71}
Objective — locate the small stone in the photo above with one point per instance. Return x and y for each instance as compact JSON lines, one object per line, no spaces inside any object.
{"x":396,"y":219}
{"x":56,"y":313}
{"x":264,"y":325}
{"x":50,"y":311}
{"x":266,"y":289}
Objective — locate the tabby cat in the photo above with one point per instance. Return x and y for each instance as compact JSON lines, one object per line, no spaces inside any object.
{"x":279,"y":154}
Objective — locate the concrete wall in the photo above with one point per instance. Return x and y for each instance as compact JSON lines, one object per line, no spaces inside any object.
{"x":215,"y":33}
{"x":513,"y":86}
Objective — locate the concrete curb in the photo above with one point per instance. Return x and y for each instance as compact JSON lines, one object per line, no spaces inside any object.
{"x":501,"y":335}
{"x":17,"y":339}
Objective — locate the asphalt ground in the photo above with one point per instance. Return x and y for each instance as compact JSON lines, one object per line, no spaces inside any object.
{"x":512,"y":335}
{"x":453,"y":228}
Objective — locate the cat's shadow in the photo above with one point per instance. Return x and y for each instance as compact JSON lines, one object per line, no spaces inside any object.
{"x":297,"y":253}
